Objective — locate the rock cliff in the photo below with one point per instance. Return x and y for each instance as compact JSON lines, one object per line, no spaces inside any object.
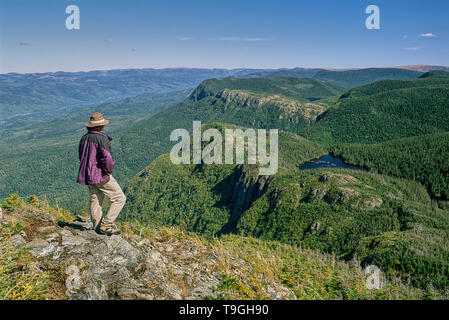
{"x":128,"y":266}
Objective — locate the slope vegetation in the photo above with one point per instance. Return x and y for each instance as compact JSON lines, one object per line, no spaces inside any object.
{"x":386,"y":110}
{"x":42,"y":249}
{"x":345,"y":78}
{"x":346,"y":213}
{"x":423,"y":159}
{"x":51,"y":151}
{"x":289,"y":87}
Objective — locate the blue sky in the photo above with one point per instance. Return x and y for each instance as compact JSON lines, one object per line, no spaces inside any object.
{"x":220,"y":34}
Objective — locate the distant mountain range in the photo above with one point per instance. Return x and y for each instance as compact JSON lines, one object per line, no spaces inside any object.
{"x":42,"y":95}
{"x":346,"y":78}
{"x":424,"y":68}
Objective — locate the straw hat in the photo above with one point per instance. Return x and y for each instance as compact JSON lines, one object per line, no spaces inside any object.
{"x":96,"y":119}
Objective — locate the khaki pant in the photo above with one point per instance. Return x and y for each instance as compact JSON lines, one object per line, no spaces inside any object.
{"x":112,"y":190}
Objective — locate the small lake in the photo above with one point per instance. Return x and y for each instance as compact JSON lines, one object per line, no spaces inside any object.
{"x":328,"y":161}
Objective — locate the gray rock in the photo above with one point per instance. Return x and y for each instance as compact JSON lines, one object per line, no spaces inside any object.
{"x":52,"y":237}
{"x":43,"y":248}
{"x":315,"y":195}
{"x":374,"y":203}
{"x":315,"y":227}
{"x":275,"y":295}
{"x":133,"y":294}
{"x":70,"y":240}
{"x":126,"y":267}
{"x":172,"y":293}
{"x":92,"y":290}
{"x":17,"y":240}
{"x":46,"y":229}
{"x":205,"y":288}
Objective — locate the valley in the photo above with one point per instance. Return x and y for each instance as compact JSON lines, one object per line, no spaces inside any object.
{"x":391,"y":122}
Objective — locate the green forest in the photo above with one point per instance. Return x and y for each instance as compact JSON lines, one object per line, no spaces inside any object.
{"x":345,"y":212}
{"x":396,"y":129}
{"x":386,"y":110}
{"x":423,"y":159}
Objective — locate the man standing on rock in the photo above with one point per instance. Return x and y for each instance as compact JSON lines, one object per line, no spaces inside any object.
{"x":96,"y":166}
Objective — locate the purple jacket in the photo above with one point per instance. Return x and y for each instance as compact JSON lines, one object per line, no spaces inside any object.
{"x":96,"y":162}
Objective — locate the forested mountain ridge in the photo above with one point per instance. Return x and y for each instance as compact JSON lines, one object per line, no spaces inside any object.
{"x":423,"y":159}
{"x":37,"y":95}
{"x":289,"y":87}
{"x":347,"y":78}
{"x":424,"y":68}
{"x":386,"y":110}
{"x":432,"y":78}
{"x":344,"y":212}
{"x":349,"y":213}
{"x":150,"y":135}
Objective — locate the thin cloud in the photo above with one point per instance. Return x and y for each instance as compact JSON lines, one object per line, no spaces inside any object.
{"x":240,"y":39}
{"x":412,"y":49}
{"x":24,"y":44}
{"x":427,"y":35}
{"x":184,"y":38}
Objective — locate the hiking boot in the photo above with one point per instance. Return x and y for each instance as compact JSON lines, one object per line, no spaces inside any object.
{"x":108,"y":230}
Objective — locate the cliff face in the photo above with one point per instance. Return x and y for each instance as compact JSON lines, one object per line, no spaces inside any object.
{"x":289,"y":107}
{"x":129,"y":266}
{"x":308,"y":111}
{"x":248,"y":187}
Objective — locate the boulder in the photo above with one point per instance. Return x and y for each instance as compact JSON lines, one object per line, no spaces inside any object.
{"x":315,"y":195}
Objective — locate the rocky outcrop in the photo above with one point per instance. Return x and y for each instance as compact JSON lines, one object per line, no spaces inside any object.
{"x":201,"y":92}
{"x":316,"y":195}
{"x":373,"y":202}
{"x":290,"y":107}
{"x":248,"y":187}
{"x":120,"y":267}
{"x":324,"y":192}
{"x":125,"y":266}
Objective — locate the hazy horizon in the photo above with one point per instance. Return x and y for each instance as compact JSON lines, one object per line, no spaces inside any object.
{"x":218,"y":68}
